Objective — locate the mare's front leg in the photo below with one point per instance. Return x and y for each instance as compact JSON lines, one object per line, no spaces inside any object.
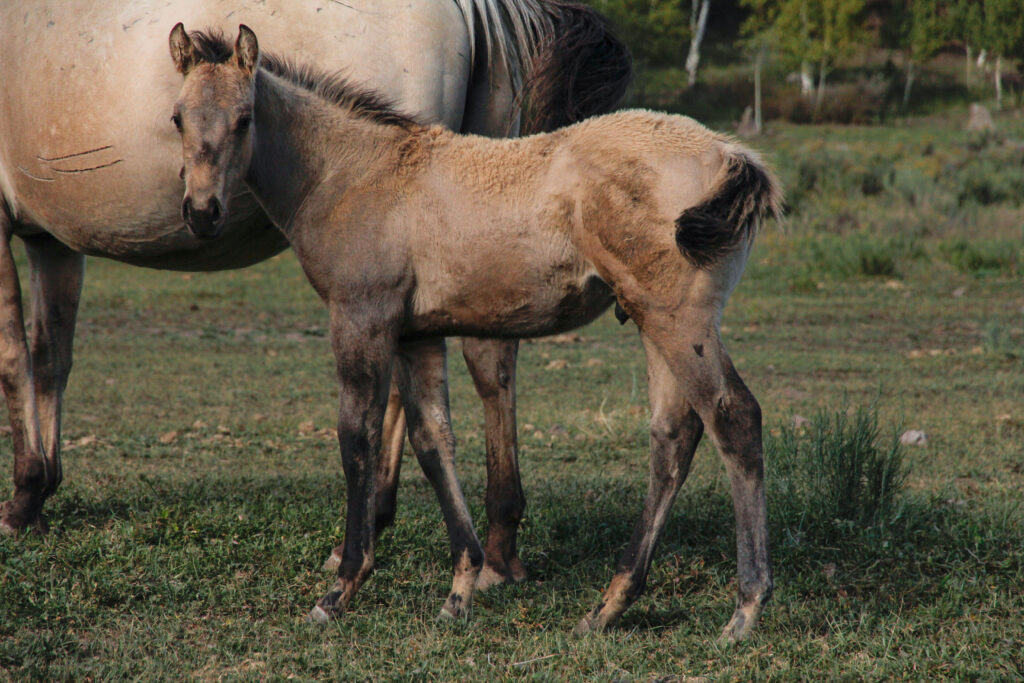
{"x":32,"y":474}
{"x":364,"y":342}
{"x":424,"y":387}
{"x":57,"y":274}
{"x":492,"y":364}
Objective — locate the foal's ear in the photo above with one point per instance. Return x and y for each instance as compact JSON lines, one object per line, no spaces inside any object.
{"x":183,"y":52}
{"x":247,"y":50}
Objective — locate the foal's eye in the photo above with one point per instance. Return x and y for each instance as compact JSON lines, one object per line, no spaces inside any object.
{"x":243,"y":123}
{"x":176,"y":120}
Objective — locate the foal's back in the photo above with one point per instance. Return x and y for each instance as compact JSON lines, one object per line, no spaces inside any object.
{"x":511,"y":226}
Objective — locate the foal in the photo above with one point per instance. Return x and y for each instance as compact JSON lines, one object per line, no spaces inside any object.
{"x":410,"y":233}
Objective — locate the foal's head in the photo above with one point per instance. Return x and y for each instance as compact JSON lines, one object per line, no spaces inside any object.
{"x":214,"y":116}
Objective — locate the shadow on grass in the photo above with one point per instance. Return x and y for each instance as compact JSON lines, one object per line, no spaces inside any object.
{"x":575,"y":532}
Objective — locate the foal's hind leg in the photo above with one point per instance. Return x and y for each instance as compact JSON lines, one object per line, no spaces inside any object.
{"x":732,"y":417}
{"x":675,"y":432}
{"x":492,"y":364}
{"x":423,"y":376}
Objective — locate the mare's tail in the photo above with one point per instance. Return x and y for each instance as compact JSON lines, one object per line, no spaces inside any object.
{"x":564,"y":62}
{"x":747,"y":193}
{"x":577,"y":70}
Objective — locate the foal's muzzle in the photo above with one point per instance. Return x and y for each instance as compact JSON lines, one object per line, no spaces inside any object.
{"x":205,"y":222}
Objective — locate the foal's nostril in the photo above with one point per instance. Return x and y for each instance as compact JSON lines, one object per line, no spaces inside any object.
{"x":186,"y":209}
{"x":215,"y":210}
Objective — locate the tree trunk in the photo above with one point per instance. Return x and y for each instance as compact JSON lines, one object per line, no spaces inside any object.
{"x":967,"y":73}
{"x":758,"y":63}
{"x":822,"y":71}
{"x":698,"y":25}
{"x":806,"y":79}
{"x":999,"y":81}
{"x":909,"y":84}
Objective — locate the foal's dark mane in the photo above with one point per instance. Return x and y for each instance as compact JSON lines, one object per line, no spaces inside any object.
{"x":212,"y":46}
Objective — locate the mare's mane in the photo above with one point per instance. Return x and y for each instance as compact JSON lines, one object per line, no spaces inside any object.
{"x":212,"y":46}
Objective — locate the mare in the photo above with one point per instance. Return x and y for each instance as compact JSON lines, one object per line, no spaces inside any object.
{"x":89,"y":165}
{"x":410,"y":233}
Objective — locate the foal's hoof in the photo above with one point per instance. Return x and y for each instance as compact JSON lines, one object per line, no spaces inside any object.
{"x":332,"y":563}
{"x":328,"y":608}
{"x":318,"y":615}
{"x":455,"y":609}
{"x":491,"y":576}
{"x":592,"y":623}
{"x":739,"y":626}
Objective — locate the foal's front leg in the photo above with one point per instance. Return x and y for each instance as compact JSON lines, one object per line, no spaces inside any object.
{"x":422,"y":375}
{"x":364,"y":350}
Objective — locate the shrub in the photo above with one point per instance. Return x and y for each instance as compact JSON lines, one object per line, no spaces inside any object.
{"x":980,"y":256}
{"x":835,"y":476}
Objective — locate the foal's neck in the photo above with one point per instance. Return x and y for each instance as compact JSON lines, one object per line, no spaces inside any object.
{"x":301,"y":140}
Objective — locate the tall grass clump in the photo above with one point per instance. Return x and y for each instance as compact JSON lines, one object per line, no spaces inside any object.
{"x":835,"y":477}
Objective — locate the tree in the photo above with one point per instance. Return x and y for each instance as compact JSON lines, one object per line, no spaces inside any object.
{"x":995,"y":26}
{"x":819,"y":32}
{"x":759,"y":37}
{"x":657,"y":31}
{"x":1003,"y":32}
{"x":698,"y":24}
{"x":918,"y":28}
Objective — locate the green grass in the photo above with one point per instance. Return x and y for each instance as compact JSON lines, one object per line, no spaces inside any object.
{"x":196,"y":555}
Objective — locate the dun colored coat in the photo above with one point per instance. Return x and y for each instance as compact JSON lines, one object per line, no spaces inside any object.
{"x":410,"y":233}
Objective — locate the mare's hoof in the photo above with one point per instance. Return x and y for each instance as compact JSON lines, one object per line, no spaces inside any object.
{"x":332,"y":563}
{"x":513,"y":572}
{"x":12,"y":525}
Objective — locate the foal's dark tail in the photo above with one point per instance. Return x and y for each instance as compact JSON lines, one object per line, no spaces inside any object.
{"x":579,"y":69}
{"x":748,"y":193}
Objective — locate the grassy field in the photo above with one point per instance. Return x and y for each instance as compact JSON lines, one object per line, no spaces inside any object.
{"x":203,"y":488}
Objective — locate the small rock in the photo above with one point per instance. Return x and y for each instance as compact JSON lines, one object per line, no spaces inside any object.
{"x":959,"y":292}
{"x":593,"y":362}
{"x":199,"y":424}
{"x":830,"y":571}
{"x":557,"y":364}
{"x":168,"y":437}
{"x":914,"y":437}
{"x":799,"y":422}
{"x":306,"y":427}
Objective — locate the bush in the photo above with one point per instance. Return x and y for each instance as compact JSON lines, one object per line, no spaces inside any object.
{"x":835,"y":476}
{"x":860,"y":102}
{"x":980,"y":256}
{"x":858,"y":254}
